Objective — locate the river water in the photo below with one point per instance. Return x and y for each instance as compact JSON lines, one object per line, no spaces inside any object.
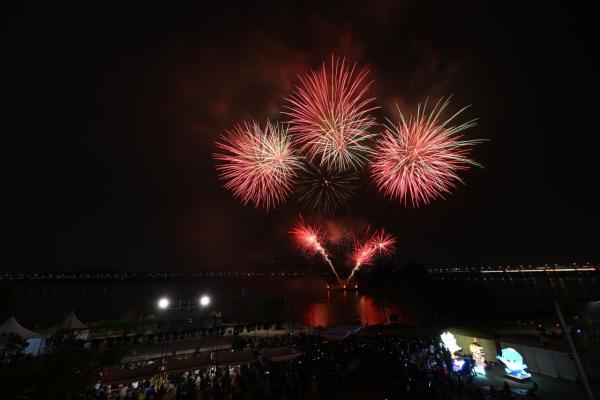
{"x":303,"y":300}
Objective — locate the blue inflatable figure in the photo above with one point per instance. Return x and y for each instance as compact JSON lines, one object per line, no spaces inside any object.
{"x":514,"y":365}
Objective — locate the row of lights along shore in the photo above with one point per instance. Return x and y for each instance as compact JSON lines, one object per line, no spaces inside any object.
{"x":163,"y":302}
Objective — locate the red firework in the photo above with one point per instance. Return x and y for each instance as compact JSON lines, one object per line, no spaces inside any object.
{"x":310,"y":239}
{"x":383,"y":242}
{"x":380,"y":243}
{"x":363,"y":253}
{"x":258,"y":165}
{"x":419,"y":159}
{"x":330,"y":116}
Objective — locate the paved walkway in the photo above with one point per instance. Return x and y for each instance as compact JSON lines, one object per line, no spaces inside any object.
{"x":548,"y":388}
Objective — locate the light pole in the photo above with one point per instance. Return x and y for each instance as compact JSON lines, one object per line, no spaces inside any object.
{"x":163,"y":304}
{"x":204,"y":303}
{"x":569,"y":339}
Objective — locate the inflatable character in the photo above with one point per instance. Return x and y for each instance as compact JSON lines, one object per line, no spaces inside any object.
{"x":450,"y":342}
{"x":514,"y":365}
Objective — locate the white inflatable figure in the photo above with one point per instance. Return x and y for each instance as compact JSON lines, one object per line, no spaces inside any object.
{"x":450,"y":342}
{"x":514,"y":365}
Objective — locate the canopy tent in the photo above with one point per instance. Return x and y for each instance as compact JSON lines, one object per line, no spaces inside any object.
{"x":34,"y":340}
{"x":71,"y":323}
{"x":12,"y":326}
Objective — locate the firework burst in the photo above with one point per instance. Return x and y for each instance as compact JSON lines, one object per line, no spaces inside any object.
{"x":325,"y":190}
{"x":330,"y":116}
{"x":418,"y":159}
{"x":310,"y":239}
{"x":380,"y":243}
{"x":383,"y":243}
{"x":258,"y":165}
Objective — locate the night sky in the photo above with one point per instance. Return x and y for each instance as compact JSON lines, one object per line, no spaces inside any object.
{"x":111,"y":115}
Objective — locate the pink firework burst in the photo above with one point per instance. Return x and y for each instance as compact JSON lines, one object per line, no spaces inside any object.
{"x":258,"y":165}
{"x":380,"y":243}
{"x":383,"y":242}
{"x":363,"y":253}
{"x":418,"y":159}
{"x":310,"y":239}
{"x":307,"y":237}
{"x":330,"y":116}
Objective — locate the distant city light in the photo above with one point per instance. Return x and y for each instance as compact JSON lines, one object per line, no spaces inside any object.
{"x":517,"y":270}
{"x":163,"y":303}
{"x":204,"y":301}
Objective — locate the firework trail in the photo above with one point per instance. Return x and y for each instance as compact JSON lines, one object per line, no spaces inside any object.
{"x":418,"y":159}
{"x":380,"y":243}
{"x":258,"y":165}
{"x":330,"y":116}
{"x":325,"y":190}
{"x":310,"y":239}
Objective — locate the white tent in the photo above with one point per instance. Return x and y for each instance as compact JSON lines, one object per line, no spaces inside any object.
{"x":71,"y":323}
{"x":34,"y":340}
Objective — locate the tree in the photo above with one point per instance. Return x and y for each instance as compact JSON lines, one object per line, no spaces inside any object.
{"x":12,"y":349}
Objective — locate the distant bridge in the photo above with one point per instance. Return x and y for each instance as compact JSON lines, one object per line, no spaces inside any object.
{"x":551,"y":270}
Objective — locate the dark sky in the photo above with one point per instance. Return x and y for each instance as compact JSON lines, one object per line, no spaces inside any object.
{"x":111,"y":114}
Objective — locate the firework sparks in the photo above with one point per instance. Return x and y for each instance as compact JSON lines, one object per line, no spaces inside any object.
{"x":383,"y":243}
{"x":330,"y":116}
{"x":419,"y":158}
{"x":310,"y":239}
{"x":380,"y":243}
{"x":258,"y":165}
{"x":325,"y":190}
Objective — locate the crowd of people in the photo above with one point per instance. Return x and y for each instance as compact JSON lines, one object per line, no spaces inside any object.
{"x":358,"y":367}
